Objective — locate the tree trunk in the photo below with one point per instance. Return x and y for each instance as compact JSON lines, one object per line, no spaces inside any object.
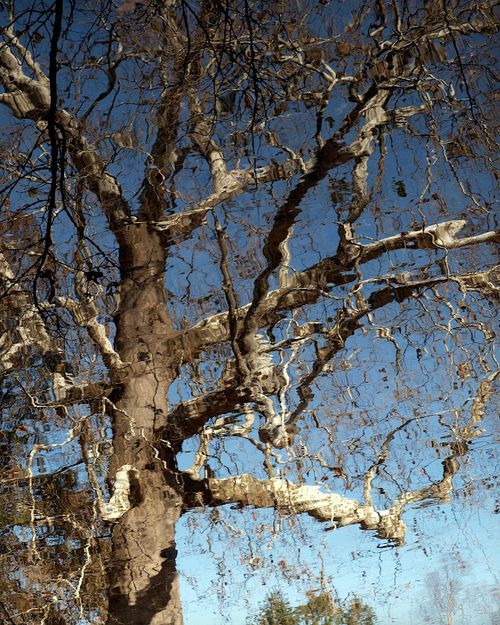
{"x":144,"y":587}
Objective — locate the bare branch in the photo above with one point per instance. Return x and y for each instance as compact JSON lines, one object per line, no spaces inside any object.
{"x":437,"y":236}
{"x":30,"y":98}
{"x":307,"y":286}
{"x":289,"y":498}
{"x":188,"y":418}
{"x":237,"y":181}
{"x":23,"y":325}
{"x":85,"y":314}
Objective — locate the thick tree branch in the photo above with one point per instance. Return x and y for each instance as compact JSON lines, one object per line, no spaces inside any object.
{"x":180,"y":225}
{"x":437,"y":236}
{"x":332,"y":153}
{"x":189,"y":418}
{"x":443,"y":30}
{"x":339,"y":510}
{"x":85,"y":313}
{"x":289,"y":498}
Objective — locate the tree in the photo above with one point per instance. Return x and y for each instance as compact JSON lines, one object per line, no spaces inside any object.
{"x":320,"y":609}
{"x":358,"y":613}
{"x":218,"y":218}
{"x":275,"y":610}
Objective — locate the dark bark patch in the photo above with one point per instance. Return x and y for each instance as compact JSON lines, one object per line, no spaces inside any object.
{"x":169,"y":553}
{"x":148,"y":603}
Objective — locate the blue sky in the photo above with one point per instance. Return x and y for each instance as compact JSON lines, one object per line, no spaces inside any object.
{"x":454,"y":541}
{"x":228,"y":567}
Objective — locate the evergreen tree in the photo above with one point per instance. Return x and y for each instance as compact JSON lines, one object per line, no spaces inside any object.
{"x":275,"y":610}
{"x":319,"y":610}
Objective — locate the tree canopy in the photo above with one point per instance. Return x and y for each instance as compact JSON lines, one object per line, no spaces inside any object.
{"x":247,"y":260}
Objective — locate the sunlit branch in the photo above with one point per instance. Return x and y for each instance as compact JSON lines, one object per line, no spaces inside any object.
{"x":442,"y":31}
{"x":327,"y":507}
{"x":202,"y":138}
{"x":331,"y":153}
{"x":289,"y":498}
{"x":29,"y":98}
{"x":23,"y":323}
{"x":234,"y":182}
{"x":437,"y":236}
{"x":178,"y":226}
{"x":189,"y":417}
{"x":68,"y":393}
{"x":302,"y":288}
{"x":85,"y":314}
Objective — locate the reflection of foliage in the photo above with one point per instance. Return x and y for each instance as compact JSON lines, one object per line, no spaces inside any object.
{"x":320,"y":609}
{"x":52,"y":566}
{"x":400,"y":188}
{"x":275,"y":610}
{"x":312,"y":181}
{"x":339,"y":191}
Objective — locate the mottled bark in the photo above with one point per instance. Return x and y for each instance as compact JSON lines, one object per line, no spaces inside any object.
{"x":144,"y":586}
{"x":143,"y":582}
